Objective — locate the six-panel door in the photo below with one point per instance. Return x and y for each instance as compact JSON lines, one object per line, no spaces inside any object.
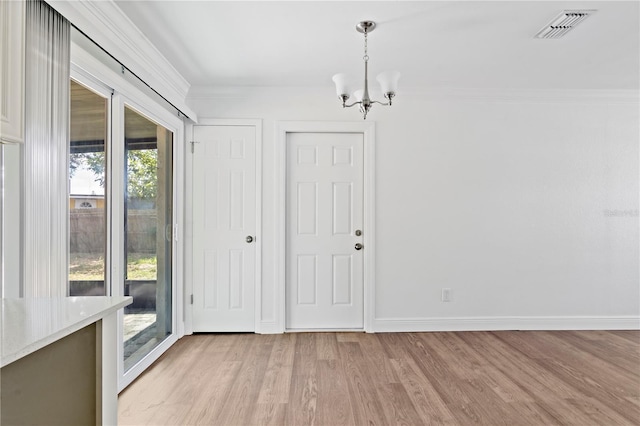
{"x":224,"y":199}
{"x":324,"y":270}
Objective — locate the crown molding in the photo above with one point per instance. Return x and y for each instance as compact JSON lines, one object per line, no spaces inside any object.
{"x":527,"y":95}
{"x":204,"y":93}
{"x":106,"y":24}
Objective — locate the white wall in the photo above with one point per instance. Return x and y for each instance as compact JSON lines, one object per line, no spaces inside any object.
{"x":524,"y":204}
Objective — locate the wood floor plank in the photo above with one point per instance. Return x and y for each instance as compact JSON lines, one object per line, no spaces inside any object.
{"x":303,"y":394}
{"x":601,"y":396}
{"x":366,"y":406}
{"x":620,"y":356}
{"x":397,"y":405}
{"x":633,"y":336}
{"x":303,"y":400}
{"x":548,"y":391}
{"x":599,"y":382}
{"x":598,"y":413}
{"x":634,"y":400}
{"x":445,"y":378}
{"x":377,"y":355}
{"x":560,"y":347}
{"x":431,"y":408}
{"x":536,"y":378}
{"x":334,"y":407}
{"x":305,"y":356}
{"x":246,"y":387}
{"x":214,"y":392}
{"x":277,"y":378}
{"x":150,"y":389}
{"x":531,"y":413}
{"x":327,"y":346}
{"x":270,"y":414}
{"x":480,"y":389}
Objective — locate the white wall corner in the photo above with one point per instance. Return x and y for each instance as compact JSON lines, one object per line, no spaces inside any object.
{"x":630,"y":322}
{"x":106,"y":24}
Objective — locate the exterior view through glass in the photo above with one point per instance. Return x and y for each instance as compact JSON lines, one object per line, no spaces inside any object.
{"x":87,"y":182}
{"x":148,"y":201}
{"x":148,"y":235}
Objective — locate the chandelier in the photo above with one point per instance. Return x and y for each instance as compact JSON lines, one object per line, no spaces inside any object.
{"x":388,"y":80}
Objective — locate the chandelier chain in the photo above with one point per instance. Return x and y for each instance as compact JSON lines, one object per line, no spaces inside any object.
{"x":366,"y":55}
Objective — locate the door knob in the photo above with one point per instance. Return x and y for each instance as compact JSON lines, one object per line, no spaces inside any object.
{"x":359,"y":246}
{"x":249,"y":239}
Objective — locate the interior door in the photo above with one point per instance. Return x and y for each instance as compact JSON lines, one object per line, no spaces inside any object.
{"x":324,"y":260}
{"x":224,"y":224}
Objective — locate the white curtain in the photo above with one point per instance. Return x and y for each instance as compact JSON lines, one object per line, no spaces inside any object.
{"x":45,"y":153}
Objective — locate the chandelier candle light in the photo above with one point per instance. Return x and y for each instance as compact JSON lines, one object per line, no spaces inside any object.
{"x":388,"y":80}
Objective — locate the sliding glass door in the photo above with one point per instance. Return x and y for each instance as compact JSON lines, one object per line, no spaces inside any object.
{"x":126,"y":156}
{"x":121,"y":214}
{"x":148,"y":218}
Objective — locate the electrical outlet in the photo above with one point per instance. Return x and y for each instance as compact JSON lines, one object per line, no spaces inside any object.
{"x":446,"y":295}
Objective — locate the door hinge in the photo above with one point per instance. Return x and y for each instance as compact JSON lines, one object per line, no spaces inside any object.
{"x":192,"y":299}
{"x":192,"y":145}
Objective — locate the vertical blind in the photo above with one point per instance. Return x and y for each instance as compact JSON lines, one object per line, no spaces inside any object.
{"x":44,"y":159}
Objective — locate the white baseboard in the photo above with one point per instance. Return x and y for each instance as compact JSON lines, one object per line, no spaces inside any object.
{"x":507,"y":323}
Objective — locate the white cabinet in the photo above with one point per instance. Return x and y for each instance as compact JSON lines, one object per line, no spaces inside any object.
{"x":12,"y":70}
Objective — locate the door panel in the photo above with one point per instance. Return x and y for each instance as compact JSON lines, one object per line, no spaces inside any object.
{"x":224,"y":183}
{"x":324,"y":272}
{"x":148,"y":247}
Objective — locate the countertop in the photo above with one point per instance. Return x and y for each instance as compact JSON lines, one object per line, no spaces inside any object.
{"x":31,"y":324}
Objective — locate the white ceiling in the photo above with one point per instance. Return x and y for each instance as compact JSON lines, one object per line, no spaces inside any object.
{"x":445,"y":44}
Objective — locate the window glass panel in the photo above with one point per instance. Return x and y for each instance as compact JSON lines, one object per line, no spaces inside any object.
{"x":148,"y":219}
{"x":87,"y":207}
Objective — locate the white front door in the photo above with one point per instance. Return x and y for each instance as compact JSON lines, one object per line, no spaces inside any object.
{"x":224,"y":225}
{"x":324,"y":270}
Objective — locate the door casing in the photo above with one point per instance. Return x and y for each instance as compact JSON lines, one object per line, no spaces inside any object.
{"x":368,"y":132}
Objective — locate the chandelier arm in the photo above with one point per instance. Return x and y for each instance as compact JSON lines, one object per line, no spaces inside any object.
{"x":381,"y":103}
{"x":350,"y":105}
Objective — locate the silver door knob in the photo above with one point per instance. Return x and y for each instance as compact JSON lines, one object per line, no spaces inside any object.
{"x":249,"y":239}
{"x":359,"y":246}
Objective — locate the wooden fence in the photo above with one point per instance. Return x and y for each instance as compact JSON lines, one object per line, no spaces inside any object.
{"x":87,"y":230}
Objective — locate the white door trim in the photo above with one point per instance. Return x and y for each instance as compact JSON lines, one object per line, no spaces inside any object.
{"x":188,"y":290}
{"x":368,"y":132}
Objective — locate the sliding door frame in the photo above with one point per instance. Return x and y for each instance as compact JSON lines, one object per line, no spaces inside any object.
{"x":175,"y":125}
{"x":124,"y":93}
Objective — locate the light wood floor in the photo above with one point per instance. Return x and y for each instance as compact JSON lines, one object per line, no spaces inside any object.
{"x":463,"y":378}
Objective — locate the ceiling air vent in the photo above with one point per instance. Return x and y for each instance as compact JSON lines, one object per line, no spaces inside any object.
{"x":563,"y":23}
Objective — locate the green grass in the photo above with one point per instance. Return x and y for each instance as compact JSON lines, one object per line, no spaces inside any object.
{"x":86,"y":267}
{"x":90,"y":267}
{"x":142,"y":267}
